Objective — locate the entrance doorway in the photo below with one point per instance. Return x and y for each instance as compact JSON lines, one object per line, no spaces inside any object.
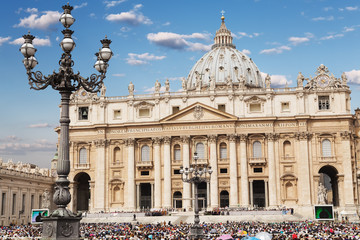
{"x":177,"y":198}
{"x":202,"y":195}
{"x":329,"y":178}
{"x":82,"y":191}
{"x":224,"y":199}
{"x":145,"y":195}
{"x":259,"y":193}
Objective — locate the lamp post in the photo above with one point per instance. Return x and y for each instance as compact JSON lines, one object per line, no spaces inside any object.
{"x":196,"y":174}
{"x":62,"y":223}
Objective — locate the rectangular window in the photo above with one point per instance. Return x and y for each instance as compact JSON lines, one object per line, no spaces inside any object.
{"x":285,"y":107}
{"x":145,"y":112}
{"x":223,"y":170}
{"x":175,"y":109}
{"x":23,"y":202}
{"x":176,"y":171}
{"x":258,"y":170}
{"x":145,"y":173}
{"x":3,"y":203}
{"x":83,"y":113}
{"x":32,"y":202}
{"x":221,"y":107}
{"x":324,"y":103}
{"x":13,"y":204}
{"x":117,"y":114}
{"x":255,"y":107}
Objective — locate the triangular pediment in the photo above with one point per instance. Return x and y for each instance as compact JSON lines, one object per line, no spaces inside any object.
{"x":199,"y":112}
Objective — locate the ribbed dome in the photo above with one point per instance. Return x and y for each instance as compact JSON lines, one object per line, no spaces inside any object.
{"x":224,"y":61}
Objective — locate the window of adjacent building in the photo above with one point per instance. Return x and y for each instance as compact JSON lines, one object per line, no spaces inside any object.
{"x":223,"y":170}
{"x":83,"y":156}
{"x":257,"y":153}
{"x":326,"y":148}
{"x":23,"y":203}
{"x":144,"y":112}
{"x":145,"y":153}
{"x":176,"y":171}
{"x":3,"y":203}
{"x":13,"y":204}
{"x":32,"y":202}
{"x":175,"y":109}
{"x":287,"y":149}
{"x":285,"y":106}
{"x":177,"y":152}
{"x":255,"y":107}
{"x":145,"y":173}
{"x":117,"y":114}
{"x":83,"y":113}
{"x":200,"y":149}
{"x":117,"y":155}
{"x":223,"y":150}
{"x":324,"y":103}
{"x":221,"y":107}
{"x":258,"y":170}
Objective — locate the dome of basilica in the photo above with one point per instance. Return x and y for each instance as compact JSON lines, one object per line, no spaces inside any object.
{"x":224,"y":63}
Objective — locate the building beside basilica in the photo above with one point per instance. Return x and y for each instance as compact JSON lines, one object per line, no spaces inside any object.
{"x":268,"y":147}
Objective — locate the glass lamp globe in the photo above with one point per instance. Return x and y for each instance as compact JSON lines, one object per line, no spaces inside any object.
{"x":105,"y":54}
{"x":67,"y":20}
{"x":100,"y":66}
{"x":67,"y":45}
{"x":30,"y":62}
{"x":28,"y":50}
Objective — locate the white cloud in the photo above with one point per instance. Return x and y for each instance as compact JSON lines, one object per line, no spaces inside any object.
{"x":40,"y":125}
{"x":152,"y":89}
{"x":119,"y":75}
{"x":332,"y":36}
{"x":298,"y":40}
{"x":326,"y":9}
{"x":277,"y":80}
{"x":133,"y":17}
{"x":276,"y":50}
{"x":349,"y":29}
{"x":246,"y":51}
{"x":4,"y":40}
{"x":353,"y":76}
{"x":81,"y":5}
{"x":37,"y":42}
{"x":244,"y":34}
{"x":43,"y":22}
{"x":31,"y":10}
{"x":178,"y":41}
{"x":352,"y":8}
{"x":11,"y":138}
{"x":92,"y":15}
{"x":166,"y":24}
{"x":329,"y":18}
{"x":175,"y":78}
{"x":110,"y":4}
{"x":22,"y":148}
{"x":141,"y":59}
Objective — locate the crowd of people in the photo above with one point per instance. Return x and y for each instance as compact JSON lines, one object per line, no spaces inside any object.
{"x":163,"y":231}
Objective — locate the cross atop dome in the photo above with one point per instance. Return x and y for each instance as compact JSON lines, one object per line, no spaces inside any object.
{"x":222,"y":15}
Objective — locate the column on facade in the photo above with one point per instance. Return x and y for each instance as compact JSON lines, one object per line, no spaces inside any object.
{"x":100,"y":174}
{"x":214,"y":198}
{"x":272,"y":170}
{"x":348,"y":170}
{"x":131,"y":174}
{"x":73,"y":193}
{"x":138,"y":196}
{"x":208,"y":194}
{"x":157,"y":173}
{"x":234,"y":200}
{"x":303,"y":169}
{"x":266,"y":183}
{"x":251,"y":193}
{"x":152,"y":195}
{"x":92,"y":194}
{"x":167,"y":173}
{"x":244,"y":172}
{"x":186,"y":163}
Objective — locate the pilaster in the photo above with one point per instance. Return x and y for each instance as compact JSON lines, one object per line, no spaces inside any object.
{"x":272,"y":169}
{"x":167,"y":173}
{"x":131,"y":174}
{"x":348,"y":170}
{"x":304,"y":168}
{"x":234,"y":199}
{"x":214,"y":176}
{"x":186,"y":163}
{"x":244,"y":172}
{"x":157,"y":173}
{"x":100,"y":174}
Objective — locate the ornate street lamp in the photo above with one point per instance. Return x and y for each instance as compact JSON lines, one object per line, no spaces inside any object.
{"x":62,"y":223}
{"x":196,"y":174}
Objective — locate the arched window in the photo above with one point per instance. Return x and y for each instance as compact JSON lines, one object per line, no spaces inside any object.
{"x":145,"y":153}
{"x":223,"y":150}
{"x":257,"y":153}
{"x":116,"y":194}
{"x":117,"y":155}
{"x":287,"y":149}
{"x":326,"y":148}
{"x":200,"y":149}
{"x":177,"y":199}
{"x":290,"y":194}
{"x":177,"y":152}
{"x":83,"y":156}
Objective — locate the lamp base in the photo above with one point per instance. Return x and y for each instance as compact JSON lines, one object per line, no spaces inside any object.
{"x":61,"y":228}
{"x":196,"y":232}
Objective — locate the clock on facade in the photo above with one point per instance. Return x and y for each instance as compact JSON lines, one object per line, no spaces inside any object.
{"x":323,"y":80}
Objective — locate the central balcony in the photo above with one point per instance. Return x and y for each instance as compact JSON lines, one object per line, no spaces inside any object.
{"x":144,"y":164}
{"x":257,"y":161}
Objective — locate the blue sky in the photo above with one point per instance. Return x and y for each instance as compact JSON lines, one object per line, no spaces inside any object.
{"x":160,"y":39}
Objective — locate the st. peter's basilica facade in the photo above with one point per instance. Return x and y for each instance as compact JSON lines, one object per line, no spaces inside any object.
{"x":268,"y":147}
